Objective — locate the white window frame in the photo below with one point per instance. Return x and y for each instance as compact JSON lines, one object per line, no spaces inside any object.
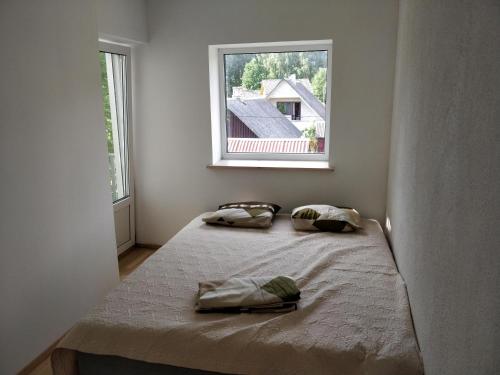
{"x":218,"y":100}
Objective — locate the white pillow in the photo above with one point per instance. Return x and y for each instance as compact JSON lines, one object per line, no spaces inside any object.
{"x":240,"y":217}
{"x":325,"y":218}
{"x":244,"y":214}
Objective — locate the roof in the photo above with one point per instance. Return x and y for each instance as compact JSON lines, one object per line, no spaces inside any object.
{"x":269,"y":85}
{"x":263,"y":118}
{"x":243,"y":93}
{"x":309,"y":98}
{"x":302,"y":87}
{"x":276,"y":145}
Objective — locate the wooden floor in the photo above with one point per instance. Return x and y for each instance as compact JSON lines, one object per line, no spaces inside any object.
{"x":127,"y":263}
{"x":132,"y":259}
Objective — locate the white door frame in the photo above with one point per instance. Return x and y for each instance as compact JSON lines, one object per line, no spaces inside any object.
{"x":129,"y":201}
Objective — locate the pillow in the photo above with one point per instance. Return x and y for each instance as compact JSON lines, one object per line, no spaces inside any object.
{"x":270,"y":206}
{"x":326,"y":218}
{"x":244,"y":214}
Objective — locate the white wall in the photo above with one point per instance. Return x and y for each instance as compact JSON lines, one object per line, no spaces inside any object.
{"x":172,"y":135}
{"x":443,"y":200}
{"x":58,"y":254}
{"x":122,"y":20}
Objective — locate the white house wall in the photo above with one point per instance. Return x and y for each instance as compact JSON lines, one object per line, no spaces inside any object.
{"x":283,"y":90}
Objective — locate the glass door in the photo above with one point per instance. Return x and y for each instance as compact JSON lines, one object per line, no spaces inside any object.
{"x":115,"y":84}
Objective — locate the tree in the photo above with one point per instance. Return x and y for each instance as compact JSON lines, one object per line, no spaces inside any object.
{"x":105,"y":97}
{"x":235,"y":65}
{"x":316,"y":60}
{"x":302,"y":64}
{"x":319,"y":84}
{"x":107,"y":124}
{"x":253,"y":73}
{"x":282,"y":65}
{"x":313,"y":140}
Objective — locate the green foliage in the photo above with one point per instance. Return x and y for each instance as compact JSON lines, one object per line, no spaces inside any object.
{"x":281,"y":107}
{"x":282,"y":65}
{"x":105,"y":96}
{"x":310,"y":132}
{"x":253,"y":73}
{"x":235,"y":65}
{"x":108,"y":125}
{"x":319,"y":84}
{"x":302,"y":64}
{"x":317,"y":60}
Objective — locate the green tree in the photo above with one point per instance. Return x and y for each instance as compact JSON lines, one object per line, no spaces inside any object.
{"x":107,"y":107}
{"x":282,"y":65}
{"x":311,"y":134}
{"x":108,"y":124}
{"x":319,"y":84}
{"x":253,"y":73}
{"x":235,"y":65}
{"x":302,"y":64}
{"x":316,"y":60}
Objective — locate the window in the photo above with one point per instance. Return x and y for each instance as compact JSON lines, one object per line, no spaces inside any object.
{"x":290,"y":109}
{"x":271,"y":101}
{"x":115,"y":91}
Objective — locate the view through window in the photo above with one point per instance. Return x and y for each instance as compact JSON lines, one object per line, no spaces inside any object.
{"x":276,"y":102}
{"x":114,"y":91}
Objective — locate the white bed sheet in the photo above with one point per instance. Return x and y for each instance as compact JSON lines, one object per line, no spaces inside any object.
{"x":353,"y":317}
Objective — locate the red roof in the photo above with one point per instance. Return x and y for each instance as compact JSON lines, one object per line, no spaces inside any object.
{"x":276,"y":145}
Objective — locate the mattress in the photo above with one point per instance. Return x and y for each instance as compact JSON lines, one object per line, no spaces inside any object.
{"x":353,"y":316}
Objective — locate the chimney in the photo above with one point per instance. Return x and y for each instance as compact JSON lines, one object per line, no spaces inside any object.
{"x":237,"y":92}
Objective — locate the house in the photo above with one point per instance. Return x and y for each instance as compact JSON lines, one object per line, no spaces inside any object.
{"x":255,"y":125}
{"x":414,"y":149}
{"x":258,"y":118}
{"x":282,"y":108}
{"x":294,"y":98}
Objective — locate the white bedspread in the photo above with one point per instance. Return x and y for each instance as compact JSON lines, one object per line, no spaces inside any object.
{"x":353,"y":317}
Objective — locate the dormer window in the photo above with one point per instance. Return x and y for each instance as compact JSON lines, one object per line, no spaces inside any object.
{"x":290,"y":109}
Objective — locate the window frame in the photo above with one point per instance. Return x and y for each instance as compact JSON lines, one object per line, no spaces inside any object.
{"x":218,"y":98}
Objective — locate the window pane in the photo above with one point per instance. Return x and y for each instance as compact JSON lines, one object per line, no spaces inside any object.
{"x":114,"y":91}
{"x":275,"y":102}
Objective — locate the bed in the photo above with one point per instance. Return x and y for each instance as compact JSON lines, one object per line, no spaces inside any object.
{"x":353,"y":317}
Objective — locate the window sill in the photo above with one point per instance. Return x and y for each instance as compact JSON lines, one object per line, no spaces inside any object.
{"x":273,"y":164}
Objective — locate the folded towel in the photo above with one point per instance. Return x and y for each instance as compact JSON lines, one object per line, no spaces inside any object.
{"x":250,"y":294}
